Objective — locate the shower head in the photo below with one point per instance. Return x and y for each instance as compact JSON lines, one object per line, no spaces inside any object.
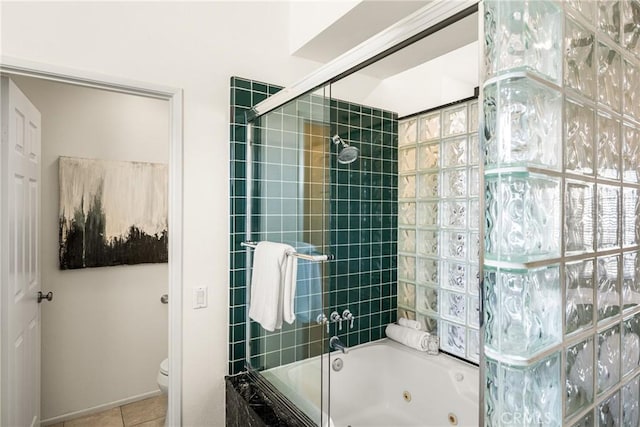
{"x":348,"y":154}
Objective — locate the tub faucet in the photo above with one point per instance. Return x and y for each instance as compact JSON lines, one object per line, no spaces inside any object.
{"x":336,"y":344}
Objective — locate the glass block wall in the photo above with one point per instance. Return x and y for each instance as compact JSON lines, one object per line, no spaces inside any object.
{"x":561,"y":123}
{"x":438,"y":240}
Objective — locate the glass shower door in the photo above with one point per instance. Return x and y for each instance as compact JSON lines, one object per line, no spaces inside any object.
{"x":287,"y":188}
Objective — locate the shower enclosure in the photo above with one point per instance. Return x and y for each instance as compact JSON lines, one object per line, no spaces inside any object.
{"x":322,"y":177}
{"x":558,"y":196}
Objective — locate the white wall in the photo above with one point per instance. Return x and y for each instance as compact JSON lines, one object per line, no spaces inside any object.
{"x":105,"y":332}
{"x":197,"y":47}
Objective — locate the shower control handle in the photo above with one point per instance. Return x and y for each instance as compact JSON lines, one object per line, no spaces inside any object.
{"x":348,"y":316}
{"x":322,"y":320}
{"x":335,"y":317}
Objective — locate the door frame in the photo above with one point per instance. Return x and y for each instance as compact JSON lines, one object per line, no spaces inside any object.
{"x":15,"y":66}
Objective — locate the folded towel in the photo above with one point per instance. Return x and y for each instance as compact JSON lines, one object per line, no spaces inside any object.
{"x":273,"y":285}
{"x":408,"y":323}
{"x":408,"y":336}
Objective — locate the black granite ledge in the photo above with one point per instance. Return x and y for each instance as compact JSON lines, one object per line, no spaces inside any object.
{"x":252,"y":402}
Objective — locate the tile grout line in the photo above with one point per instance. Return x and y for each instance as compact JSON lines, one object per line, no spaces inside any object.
{"x":148,"y":421}
{"x":122,"y":418}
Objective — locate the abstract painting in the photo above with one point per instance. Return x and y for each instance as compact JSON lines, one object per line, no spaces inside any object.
{"x":112,"y":213}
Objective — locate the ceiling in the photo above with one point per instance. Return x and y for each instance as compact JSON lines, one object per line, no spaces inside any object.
{"x":452,"y":37}
{"x":366,"y":19}
{"x":433,"y":71}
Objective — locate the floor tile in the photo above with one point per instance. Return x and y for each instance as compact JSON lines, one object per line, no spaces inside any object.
{"x":153,"y":423}
{"x":108,"y":418}
{"x":144,"y":410}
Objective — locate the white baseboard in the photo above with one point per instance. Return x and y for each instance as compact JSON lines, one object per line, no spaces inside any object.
{"x":99,"y":408}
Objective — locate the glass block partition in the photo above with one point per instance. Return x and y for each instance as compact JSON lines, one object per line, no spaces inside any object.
{"x":560,"y":135}
{"x":438,"y":240}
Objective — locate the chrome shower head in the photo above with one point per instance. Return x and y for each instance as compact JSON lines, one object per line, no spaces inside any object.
{"x":348,"y":154}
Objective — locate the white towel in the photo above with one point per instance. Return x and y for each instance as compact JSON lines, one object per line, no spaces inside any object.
{"x":308,"y":301}
{"x":408,"y":336}
{"x":273,"y":285}
{"x":408,"y":323}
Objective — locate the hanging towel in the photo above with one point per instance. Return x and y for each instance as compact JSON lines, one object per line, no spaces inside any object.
{"x":408,"y":336}
{"x":273,"y":283}
{"x":289,"y":288}
{"x":408,"y":323}
{"x":308,"y":301}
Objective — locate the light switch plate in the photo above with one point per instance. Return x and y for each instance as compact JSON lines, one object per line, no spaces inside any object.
{"x":199,"y":297}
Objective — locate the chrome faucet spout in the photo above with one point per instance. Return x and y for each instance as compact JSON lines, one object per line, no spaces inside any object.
{"x":336,"y":344}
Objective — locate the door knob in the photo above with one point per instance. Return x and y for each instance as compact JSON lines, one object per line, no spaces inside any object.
{"x":41,"y":296}
{"x":164,"y":299}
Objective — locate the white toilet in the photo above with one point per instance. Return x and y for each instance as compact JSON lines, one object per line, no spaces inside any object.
{"x":163,"y":382}
{"x":163,"y":376}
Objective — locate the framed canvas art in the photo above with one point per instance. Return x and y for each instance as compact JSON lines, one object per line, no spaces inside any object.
{"x":112,"y":213}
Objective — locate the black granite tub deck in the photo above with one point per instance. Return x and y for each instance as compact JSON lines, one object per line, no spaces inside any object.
{"x":252,"y":402}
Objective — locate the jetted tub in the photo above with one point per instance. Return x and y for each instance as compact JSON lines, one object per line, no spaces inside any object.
{"x":382,"y":383}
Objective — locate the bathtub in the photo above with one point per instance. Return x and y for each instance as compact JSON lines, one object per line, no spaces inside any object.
{"x":382,"y":383}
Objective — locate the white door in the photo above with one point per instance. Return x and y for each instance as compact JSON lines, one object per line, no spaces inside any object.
{"x":20,"y":266}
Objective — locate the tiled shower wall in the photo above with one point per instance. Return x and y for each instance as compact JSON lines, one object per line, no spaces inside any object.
{"x":562,"y":165}
{"x":439,"y":221}
{"x":289,"y":202}
{"x":364,"y":219}
{"x":362,"y":222}
{"x":244,"y":95}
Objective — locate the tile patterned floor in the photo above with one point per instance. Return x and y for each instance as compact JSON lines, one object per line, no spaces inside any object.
{"x":144,"y":413}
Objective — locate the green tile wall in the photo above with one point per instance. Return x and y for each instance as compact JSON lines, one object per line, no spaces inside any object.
{"x":290,"y":171}
{"x":362,"y":221}
{"x":244,"y":94}
{"x":364,"y":217}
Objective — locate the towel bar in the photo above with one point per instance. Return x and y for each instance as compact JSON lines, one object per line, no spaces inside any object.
{"x":295,"y":254}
